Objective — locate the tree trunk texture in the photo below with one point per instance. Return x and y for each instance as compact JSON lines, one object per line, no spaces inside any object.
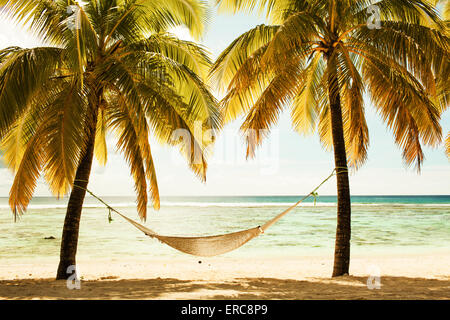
{"x":69,"y":240}
{"x":343,"y":228}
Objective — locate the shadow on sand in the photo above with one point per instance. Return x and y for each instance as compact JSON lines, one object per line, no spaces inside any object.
{"x":347,"y":287}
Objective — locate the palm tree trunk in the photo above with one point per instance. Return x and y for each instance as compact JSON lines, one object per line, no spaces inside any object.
{"x":343,"y":229}
{"x":69,"y":241}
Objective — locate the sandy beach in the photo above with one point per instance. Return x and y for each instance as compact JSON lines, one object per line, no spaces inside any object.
{"x":406,"y":276}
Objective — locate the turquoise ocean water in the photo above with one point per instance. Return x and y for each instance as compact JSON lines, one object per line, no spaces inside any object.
{"x":379,"y":224}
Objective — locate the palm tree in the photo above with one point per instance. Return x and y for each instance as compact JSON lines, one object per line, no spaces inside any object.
{"x":318,"y":58}
{"x":111,"y":66}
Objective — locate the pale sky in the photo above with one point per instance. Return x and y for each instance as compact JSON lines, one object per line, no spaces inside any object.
{"x":288,"y":164}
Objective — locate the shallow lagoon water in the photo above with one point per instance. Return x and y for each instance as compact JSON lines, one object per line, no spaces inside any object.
{"x":387,"y":224}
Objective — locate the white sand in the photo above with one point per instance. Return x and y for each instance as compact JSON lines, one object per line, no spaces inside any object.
{"x":406,"y":276}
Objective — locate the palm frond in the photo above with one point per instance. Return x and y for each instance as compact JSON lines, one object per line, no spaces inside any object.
{"x":159,"y":16}
{"x":404,"y":107}
{"x":265,"y":112}
{"x":193,"y":14}
{"x":409,"y":45}
{"x":188,"y":85}
{"x":244,"y":5}
{"x":169,"y":120}
{"x":100,"y":148}
{"x":28,"y":172}
{"x":416,"y":12}
{"x":247,"y":84}
{"x":447,"y":146}
{"x":128,"y":144}
{"x":288,"y":38}
{"x":238,"y":52}
{"x":22,"y":73}
{"x":67,"y":137}
{"x":305,"y":105}
{"x":187,"y":53}
{"x":356,"y":132}
{"x":15,"y":140}
{"x":45,"y":18}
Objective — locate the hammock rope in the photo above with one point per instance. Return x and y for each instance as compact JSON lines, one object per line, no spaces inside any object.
{"x":208,"y":246}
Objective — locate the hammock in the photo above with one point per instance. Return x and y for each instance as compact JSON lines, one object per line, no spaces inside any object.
{"x":208,"y":246}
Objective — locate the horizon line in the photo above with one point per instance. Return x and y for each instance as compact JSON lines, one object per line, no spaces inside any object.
{"x":261,"y":195}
